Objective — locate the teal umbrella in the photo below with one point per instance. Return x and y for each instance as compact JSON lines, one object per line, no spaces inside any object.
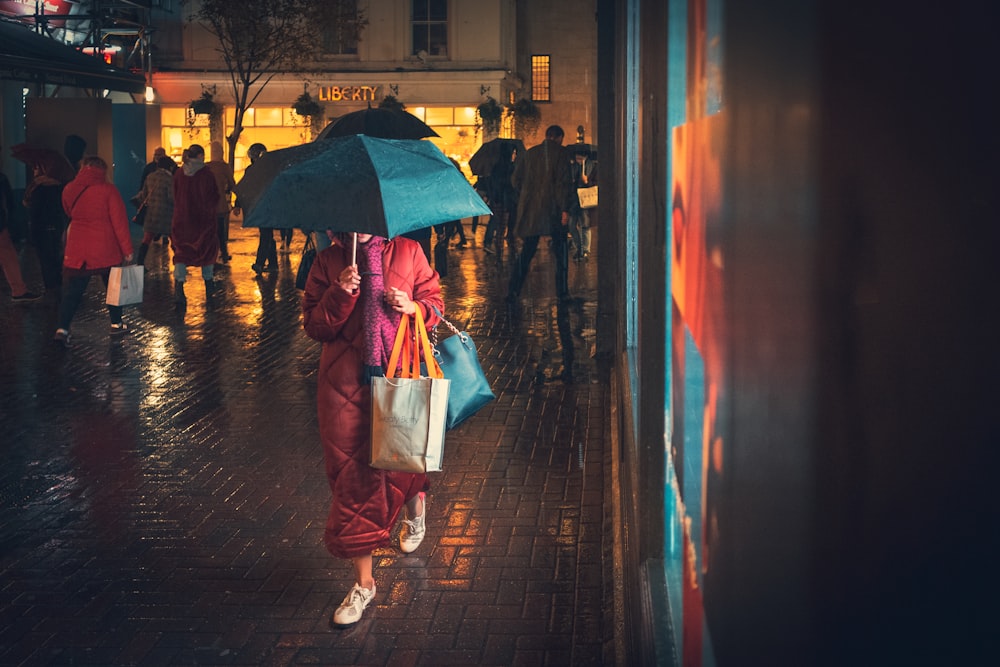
{"x":356,"y":183}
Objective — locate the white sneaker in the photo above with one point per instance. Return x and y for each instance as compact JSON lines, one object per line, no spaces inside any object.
{"x":413,"y":530}
{"x":350,"y":610}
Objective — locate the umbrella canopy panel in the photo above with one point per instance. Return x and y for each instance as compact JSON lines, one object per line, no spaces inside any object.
{"x":357,"y":183}
{"x":52,"y":162}
{"x":590,"y":150}
{"x":379,"y":122}
{"x":492,"y":153}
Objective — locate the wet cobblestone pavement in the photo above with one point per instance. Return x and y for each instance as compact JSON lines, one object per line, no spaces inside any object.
{"x":162,"y":496}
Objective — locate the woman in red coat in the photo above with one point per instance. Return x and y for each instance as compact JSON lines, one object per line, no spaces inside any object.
{"x":354,"y":309}
{"x":97,"y":239}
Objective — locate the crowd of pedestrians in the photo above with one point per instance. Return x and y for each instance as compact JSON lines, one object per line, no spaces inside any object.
{"x":80,"y":229}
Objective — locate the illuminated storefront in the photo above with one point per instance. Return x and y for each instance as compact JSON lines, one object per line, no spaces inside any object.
{"x":447,"y":103}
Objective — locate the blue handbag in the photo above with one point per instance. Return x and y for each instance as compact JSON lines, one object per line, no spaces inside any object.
{"x":459,"y":361}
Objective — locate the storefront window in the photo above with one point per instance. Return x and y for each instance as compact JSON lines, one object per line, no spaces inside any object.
{"x":457,"y":129}
{"x":275,"y":127}
{"x":280,"y":127}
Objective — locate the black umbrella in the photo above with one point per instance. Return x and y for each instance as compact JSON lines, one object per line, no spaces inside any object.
{"x":590,"y":150}
{"x":380,"y":122}
{"x":492,"y":152}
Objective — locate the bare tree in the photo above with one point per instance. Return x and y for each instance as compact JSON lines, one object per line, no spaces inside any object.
{"x":260,"y":38}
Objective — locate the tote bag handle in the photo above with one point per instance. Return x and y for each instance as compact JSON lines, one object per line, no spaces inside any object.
{"x":408,"y":349}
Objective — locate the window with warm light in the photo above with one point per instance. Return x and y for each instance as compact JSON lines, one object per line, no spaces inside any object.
{"x":429,"y":21}
{"x":540,"y":90}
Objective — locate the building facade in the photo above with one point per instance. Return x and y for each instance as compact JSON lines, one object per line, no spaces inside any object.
{"x":441,"y":60}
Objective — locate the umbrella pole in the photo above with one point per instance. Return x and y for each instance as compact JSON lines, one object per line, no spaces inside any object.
{"x":354,"y":251}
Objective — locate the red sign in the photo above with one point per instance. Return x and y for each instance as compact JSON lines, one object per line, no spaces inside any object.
{"x":27,"y":8}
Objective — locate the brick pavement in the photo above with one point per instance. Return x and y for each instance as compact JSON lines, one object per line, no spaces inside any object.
{"x":162,"y":498}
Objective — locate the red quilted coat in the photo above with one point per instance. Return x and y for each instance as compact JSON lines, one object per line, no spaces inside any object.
{"x":98,"y":235}
{"x":366,"y":502}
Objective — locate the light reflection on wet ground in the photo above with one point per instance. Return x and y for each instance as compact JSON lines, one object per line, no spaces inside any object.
{"x":162,"y":498}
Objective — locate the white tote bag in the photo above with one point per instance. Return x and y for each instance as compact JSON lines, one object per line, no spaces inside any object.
{"x":588,"y":196}
{"x":409,"y":412}
{"x":125,"y":285}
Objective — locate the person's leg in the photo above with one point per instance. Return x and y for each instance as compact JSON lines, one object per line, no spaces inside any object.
{"x":361,"y":594}
{"x":585,"y":233}
{"x":460,"y":229}
{"x":575,"y":229}
{"x":47,"y":245}
{"x":271,"y":258}
{"x":147,"y":239}
{"x":491,"y":226}
{"x":560,"y":251}
{"x":506,"y":229}
{"x":11,"y":265}
{"x":208,"y":275}
{"x":263,"y":251}
{"x":363,"y":571}
{"x":222,"y":227}
{"x":180,"y":275}
{"x":521,"y":264}
{"x":114,"y":312}
{"x":414,"y":525}
{"x":72,"y":297}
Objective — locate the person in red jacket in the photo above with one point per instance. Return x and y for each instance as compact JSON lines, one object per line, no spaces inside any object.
{"x":193,"y":233}
{"x":97,"y":239}
{"x":354,"y":310}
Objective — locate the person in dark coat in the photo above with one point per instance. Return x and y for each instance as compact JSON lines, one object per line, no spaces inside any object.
{"x":193,"y":234}
{"x":156,"y":163}
{"x":266,"y":259}
{"x":543,"y":179}
{"x":584,"y":170}
{"x":356,"y":322}
{"x":10,"y":264}
{"x":501,"y":198}
{"x":224,"y":182}
{"x":47,"y":222}
{"x":97,"y":239}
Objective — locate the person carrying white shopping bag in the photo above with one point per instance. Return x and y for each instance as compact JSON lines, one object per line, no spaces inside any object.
{"x":355,"y":294}
{"x":97,"y":239}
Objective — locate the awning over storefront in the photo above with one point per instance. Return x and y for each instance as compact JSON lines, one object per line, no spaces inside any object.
{"x":28,"y":56}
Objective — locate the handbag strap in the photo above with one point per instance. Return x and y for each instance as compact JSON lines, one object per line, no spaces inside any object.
{"x":448,"y":324}
{"x":73,"y":205}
